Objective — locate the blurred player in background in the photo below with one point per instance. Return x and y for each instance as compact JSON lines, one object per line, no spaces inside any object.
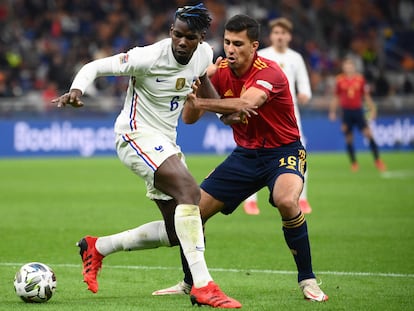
{"x":269,"y":152}
{"x":294,"y":67}
{"x":351,"y":93}
{"x":162,"y":75}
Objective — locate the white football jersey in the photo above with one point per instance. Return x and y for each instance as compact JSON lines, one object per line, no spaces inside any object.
{"x":293,"y":66}
{"x":158,"y":85}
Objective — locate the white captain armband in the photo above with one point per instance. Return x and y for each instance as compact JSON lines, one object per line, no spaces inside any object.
{"x":265,"y":84}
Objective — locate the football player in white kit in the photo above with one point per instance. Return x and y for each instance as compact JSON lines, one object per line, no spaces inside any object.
{"x":294,"y":67}
{"x":161,"y":76}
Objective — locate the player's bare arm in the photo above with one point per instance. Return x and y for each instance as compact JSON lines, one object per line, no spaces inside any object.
{"x":195,"y":106}
{"x":253,"y":95}
{"x":71,"y":98}
{"x":223,"y":106}
{"x":203,"y":88}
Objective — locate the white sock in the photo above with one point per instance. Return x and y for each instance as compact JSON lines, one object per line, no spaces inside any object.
{"x":252,"y":198}
{"x":149,"y":235}
{"x":190,"y":233}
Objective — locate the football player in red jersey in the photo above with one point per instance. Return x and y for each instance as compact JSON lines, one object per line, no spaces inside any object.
{"x":268,"y":152}
{"x":351,"y":92}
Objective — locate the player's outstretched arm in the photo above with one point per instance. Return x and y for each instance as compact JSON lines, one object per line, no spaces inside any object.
{"x":195,"y":107}
{"x":108,"y":66}
{"x":225,"y":106}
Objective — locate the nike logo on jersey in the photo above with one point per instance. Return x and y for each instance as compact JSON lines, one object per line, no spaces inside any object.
{"x":160,"y":80}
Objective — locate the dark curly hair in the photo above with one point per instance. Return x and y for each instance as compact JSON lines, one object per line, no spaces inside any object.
{"x":197,"y":17}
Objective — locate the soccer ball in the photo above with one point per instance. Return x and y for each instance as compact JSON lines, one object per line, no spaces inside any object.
{"x":35,"y":282}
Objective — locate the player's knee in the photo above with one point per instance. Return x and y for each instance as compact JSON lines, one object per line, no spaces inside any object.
{"x":286,"y":203}
{"x":189,"y":195}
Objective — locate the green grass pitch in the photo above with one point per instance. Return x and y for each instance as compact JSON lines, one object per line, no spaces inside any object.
{"x":361,"y":232}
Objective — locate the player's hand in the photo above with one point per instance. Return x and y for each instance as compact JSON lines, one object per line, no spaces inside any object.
{"x":247,"y":112}
{"x":211,"y":70}
{"x":237,"y":117}
{"x":71,"y":98}
{"x":191,"y":100}
{"x":196,"y":84}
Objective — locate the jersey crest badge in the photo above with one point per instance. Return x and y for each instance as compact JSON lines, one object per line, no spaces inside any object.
{"x":179,"y":84}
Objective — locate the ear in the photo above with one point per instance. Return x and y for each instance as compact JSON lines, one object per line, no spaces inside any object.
{"x":255,"y":45}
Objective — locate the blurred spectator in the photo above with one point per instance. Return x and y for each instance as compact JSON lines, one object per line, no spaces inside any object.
{"x":4,"y":89}
{"x":406,"y":12}
{"x":43,"y":41}
{"x":382,"y":86}
{"x":407,"y":87}
{"x":407,"y":62}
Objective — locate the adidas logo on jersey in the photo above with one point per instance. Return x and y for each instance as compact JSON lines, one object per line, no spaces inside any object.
{"x":229,"y":93}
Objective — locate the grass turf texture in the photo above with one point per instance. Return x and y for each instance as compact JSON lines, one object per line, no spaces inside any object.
{"x":361,"y":232}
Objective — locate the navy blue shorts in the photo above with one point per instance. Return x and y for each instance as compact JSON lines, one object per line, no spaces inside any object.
{"x":353,"y":117}
{"x":246,"y":171}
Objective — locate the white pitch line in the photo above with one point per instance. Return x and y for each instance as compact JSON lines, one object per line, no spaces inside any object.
{"x":398,"y":174}
{"x":338,"y":273}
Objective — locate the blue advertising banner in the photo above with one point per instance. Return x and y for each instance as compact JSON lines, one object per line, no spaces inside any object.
{"x":58,"y":137}
{"x":94,"y":137}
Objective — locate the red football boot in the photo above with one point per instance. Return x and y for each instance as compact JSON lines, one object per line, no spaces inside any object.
{"x":211,"y":295}
{"x":92,"y":261}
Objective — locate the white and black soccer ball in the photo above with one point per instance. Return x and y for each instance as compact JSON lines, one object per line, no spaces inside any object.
{"x":35,"y":282}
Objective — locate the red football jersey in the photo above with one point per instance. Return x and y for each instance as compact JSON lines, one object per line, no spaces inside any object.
{"x":350,"y":91}
{"x":275,"y":125}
